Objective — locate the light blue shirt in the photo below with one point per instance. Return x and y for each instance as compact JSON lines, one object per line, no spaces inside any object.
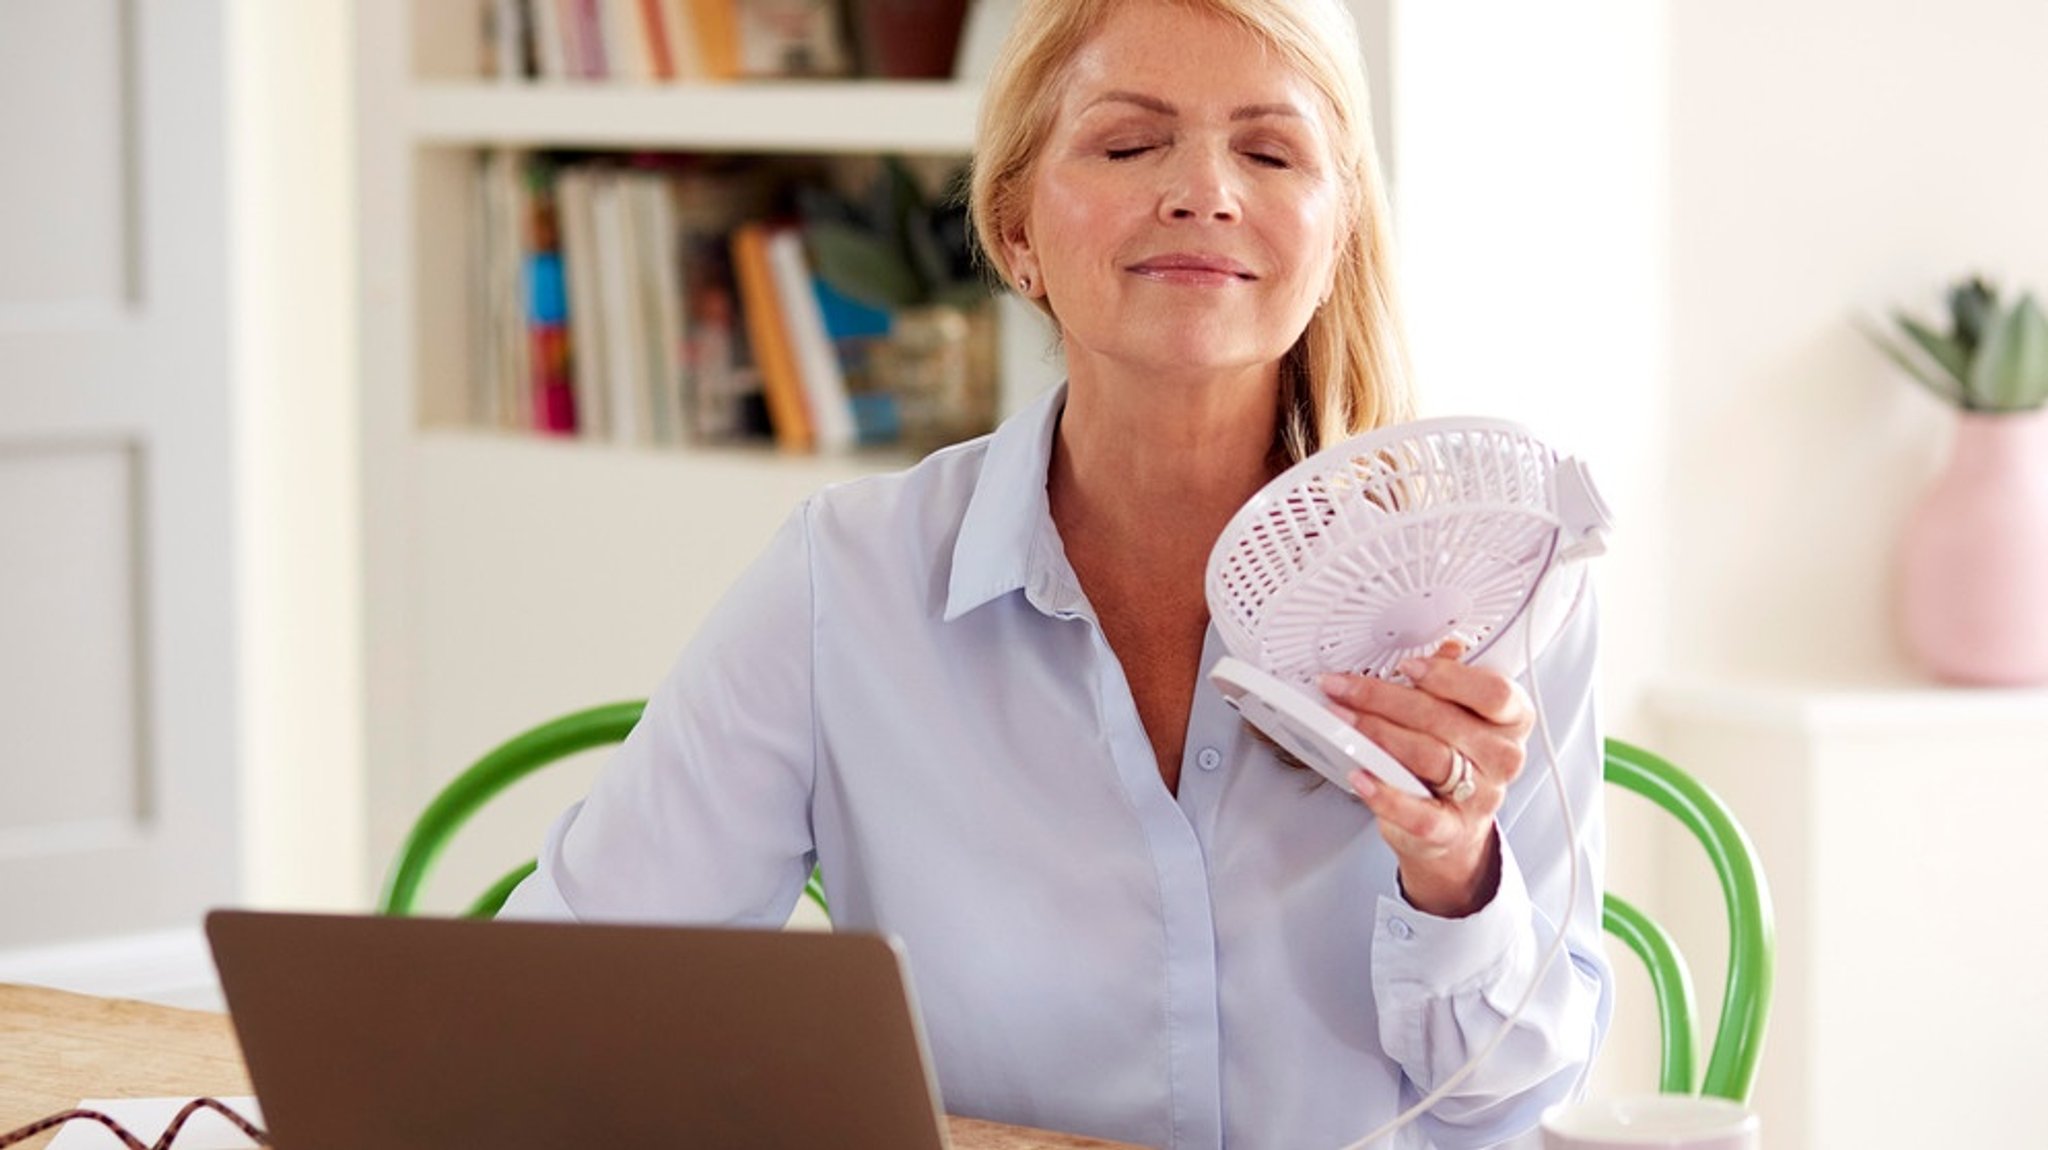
{"x":910,"y":688}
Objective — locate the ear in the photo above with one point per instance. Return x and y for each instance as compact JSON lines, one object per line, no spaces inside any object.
{"x":1022,"y":261}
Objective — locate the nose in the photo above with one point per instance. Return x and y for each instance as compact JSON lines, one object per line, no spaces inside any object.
{"x":1201,"y":186}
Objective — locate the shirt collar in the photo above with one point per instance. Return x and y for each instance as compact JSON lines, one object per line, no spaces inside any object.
{"x":1007,"y":539}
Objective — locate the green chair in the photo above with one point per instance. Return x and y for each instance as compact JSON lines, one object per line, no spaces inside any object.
{"x":1746,"y":995}
{"x":506,"y":764}
{"x":1731,"y":1069}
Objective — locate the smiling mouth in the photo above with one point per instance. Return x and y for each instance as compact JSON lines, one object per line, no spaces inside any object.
{"x":1192,"y":269}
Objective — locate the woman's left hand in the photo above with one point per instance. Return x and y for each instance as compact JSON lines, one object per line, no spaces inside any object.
{"x":1448,"y":851}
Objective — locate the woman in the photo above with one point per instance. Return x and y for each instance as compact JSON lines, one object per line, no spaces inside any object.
{"x":974,"y":692}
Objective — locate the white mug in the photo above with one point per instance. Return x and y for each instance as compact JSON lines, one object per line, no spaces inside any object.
{"x":1652,"y":1122}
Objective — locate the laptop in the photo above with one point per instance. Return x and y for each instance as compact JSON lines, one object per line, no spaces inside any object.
{"x":434,"y":1034}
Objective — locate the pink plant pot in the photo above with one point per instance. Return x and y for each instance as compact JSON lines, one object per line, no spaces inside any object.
{"x":1974,"y":557}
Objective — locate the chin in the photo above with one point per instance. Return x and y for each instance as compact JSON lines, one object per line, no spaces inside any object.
{"x":1180,"y":345}
{"x":1211,"y":354}
{"x":1203,"y":347}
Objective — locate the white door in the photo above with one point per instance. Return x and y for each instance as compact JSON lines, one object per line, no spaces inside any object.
{"x":118,"y":760}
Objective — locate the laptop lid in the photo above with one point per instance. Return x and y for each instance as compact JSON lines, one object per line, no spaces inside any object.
{"x":427,"y":1034}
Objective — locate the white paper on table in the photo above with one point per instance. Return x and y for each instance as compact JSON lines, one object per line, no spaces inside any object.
{"x":146,"y":1119}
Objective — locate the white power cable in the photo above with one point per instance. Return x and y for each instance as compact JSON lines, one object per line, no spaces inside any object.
{"x":1571,"y":831}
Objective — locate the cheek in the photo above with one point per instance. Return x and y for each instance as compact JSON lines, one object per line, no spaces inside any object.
{"x":1077,"y":223}
{"x":1316,"y":237}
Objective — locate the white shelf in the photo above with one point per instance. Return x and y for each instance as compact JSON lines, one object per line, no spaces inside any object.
{"x":1815,"y":709}
{"x":1897,"y":822}
{"x":788,"y":117}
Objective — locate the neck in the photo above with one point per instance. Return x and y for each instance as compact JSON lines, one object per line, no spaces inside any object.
{"x":1161,"y":463}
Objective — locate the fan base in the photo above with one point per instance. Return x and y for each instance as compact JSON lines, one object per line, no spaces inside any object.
{"x":1306,"y":729}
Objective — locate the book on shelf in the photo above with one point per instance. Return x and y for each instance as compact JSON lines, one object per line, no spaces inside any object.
{"x":803,"y":321}
{"x":483,"y":282}
{"x":520,"y":340}
{"x":619,"y":33}
{"x":547,"y":56}
{"x":618,"y":311}
{"x":723,"y":388}
{"x":621,"y":311}
{"x":546,"y":305}
{"x":717,"y":25}
{"x":670,"y":41}
{"x":624,"y":41}
{"x":779,"y":38}
{"x":498,"y":396}
{"x":581,"y":50}
{"x":768,"y":335}
{"x":721,"y":380}
{"x":855,"y":329}
{"x":659,"y":289}
{"x":666,"y":300}
{"x":507,"y":40}
{"x":575,"y":195}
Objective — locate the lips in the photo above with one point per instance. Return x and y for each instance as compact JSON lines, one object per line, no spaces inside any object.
{"x":1192,"y":267}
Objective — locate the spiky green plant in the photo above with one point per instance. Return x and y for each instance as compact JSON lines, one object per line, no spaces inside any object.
{"x":1992,"y":359}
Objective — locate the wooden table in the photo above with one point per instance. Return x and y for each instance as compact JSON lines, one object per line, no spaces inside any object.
{"x":57,"y":1048}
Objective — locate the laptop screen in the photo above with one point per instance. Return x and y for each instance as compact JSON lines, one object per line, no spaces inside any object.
{"x":416,"y":1033}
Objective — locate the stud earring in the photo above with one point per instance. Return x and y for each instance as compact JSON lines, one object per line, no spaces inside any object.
{"x":1024,"y":284}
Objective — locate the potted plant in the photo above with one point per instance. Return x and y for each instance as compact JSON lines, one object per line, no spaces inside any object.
{"x":1974,"y":556}
{"x":910,"y":255}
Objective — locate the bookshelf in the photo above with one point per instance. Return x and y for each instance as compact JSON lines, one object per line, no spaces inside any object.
{"x":509,"y":577}
{"x":781,"y":117}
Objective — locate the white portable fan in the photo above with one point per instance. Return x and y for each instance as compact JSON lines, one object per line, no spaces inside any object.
{"x":1383,"y":547}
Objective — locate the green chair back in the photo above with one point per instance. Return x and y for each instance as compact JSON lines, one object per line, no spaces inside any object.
{"x":505,"y":764}
{"x":1746,"y":993}
{"x":1731,"y":1067}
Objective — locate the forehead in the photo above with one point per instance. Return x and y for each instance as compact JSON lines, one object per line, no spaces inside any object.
{"x":1191,"y":59}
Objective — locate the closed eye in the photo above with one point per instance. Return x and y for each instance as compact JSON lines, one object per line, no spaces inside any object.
{"x":1127,"y":153}
{"x":1269,"y":160}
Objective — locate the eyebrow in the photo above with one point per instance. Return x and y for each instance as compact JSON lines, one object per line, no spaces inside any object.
{"x":1155,"y":104}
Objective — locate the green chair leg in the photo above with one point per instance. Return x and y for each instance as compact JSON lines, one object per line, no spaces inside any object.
{"x":1746,"y":993}
{"x":1670,"y":981}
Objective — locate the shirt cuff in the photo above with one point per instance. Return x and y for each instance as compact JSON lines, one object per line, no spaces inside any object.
{"x":1451,"y":955}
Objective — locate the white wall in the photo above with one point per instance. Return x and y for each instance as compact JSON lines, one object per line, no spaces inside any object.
{"x":1648,"y":227}
{"x":1830,"y":158}
{"x":1529,"y":151}
{"x":1529,"y":145}
{"x":292,"y":182}
{"x":1655,"y":242}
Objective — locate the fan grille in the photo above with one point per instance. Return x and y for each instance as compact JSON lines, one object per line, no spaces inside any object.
{"x":1384,"y":546}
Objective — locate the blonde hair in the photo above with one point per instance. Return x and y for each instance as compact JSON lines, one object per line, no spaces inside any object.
{"x":1348,"y":373}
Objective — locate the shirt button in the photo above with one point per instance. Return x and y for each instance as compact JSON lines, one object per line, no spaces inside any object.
{"x":1399,"y":928}
{"x":1209,"y":759}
